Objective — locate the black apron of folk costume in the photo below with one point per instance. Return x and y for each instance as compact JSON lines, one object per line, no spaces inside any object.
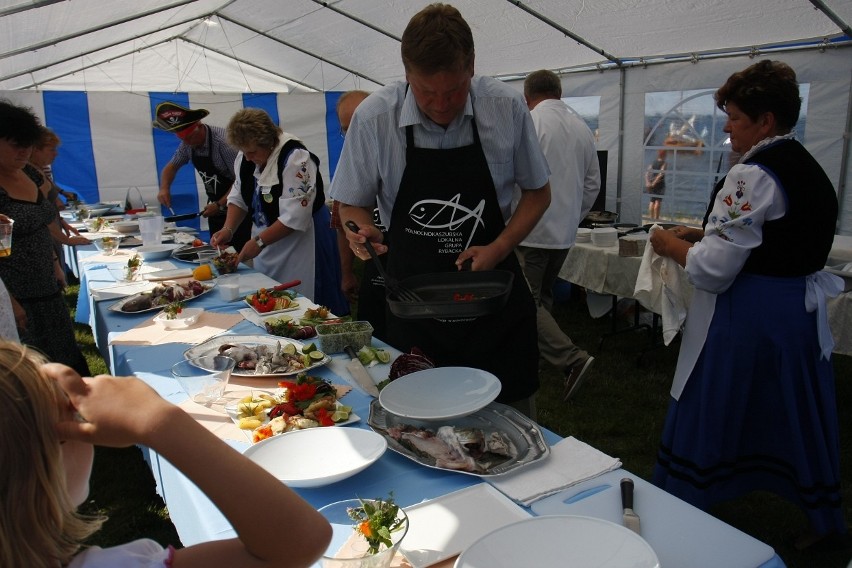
{"x":216,"y":185}
{"x":446,"y":204}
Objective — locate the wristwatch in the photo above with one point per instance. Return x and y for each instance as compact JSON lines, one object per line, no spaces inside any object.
{"x":260,"y":242}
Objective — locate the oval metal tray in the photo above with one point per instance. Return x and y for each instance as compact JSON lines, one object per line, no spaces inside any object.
{"x":523,"y":433}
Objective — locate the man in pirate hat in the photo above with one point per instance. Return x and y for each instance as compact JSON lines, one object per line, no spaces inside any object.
{"x":206,"y":147}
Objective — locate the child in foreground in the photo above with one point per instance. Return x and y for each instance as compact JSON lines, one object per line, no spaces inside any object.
{"x":50,"y":418}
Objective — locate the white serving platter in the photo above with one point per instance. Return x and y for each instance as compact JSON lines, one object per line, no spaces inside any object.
{"x":442,"y":393}
{"x":562,"y":540}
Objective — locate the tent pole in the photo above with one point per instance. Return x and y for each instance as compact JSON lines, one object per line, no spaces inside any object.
{"x":844,"y":158}
{"x":622,"y":89}
{"x":844,"y":26}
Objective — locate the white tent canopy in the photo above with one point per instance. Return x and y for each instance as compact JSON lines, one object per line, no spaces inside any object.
{"x":215,"y":52}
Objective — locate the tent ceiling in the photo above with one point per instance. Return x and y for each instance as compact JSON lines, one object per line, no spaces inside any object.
{"x":269,"y":45}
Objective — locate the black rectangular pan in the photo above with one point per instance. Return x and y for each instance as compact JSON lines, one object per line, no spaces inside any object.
{"x":454,"y":295}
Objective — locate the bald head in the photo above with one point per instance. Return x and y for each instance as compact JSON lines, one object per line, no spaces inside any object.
{"x":346,"y":105}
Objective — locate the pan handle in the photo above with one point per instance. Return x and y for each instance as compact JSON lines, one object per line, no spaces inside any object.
{"x":353,"y":226}
{"x":185,"y":217}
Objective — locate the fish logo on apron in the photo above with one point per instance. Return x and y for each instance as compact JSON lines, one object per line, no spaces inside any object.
{"x":446,"y":219}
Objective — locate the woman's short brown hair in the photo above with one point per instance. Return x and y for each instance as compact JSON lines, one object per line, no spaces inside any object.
{"x":766,"y":86}
{"x":251,"y":126}
{"x":48,"y":138}
{"x":437,"y":39}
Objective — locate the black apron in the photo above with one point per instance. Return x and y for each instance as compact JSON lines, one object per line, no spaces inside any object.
{"x":371,"y":294}
{"x":446,"y":204}
{"x":216,"y":185}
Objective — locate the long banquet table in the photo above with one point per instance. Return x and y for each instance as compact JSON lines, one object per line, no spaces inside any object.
{"x":604,"y":271}
{"x":680,"y":534}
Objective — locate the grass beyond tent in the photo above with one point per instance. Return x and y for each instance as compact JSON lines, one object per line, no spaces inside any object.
{"x":620,"y":410}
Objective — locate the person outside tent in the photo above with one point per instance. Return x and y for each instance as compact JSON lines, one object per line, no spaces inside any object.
{"x":575,"y":181}
{"x":280,"y":189}
{"x":370,"y":294}
{"x":753,"y":399}
{"x":441,"y":152}
{"x":212,"y":157}
{"x":32,"y":273}
{"x":52,"y":418}
{"x":655,"y":183}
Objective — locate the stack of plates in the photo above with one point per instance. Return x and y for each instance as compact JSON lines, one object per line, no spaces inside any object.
{"x":604,"y":237}
{"x":583,"y":235}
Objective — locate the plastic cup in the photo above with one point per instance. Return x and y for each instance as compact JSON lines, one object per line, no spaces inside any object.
{"x":151,"y":229}
{"x":348,"y":549}
{"x":204,"y":378}
{"x":6,"y":237}
{"x":229,"y":287}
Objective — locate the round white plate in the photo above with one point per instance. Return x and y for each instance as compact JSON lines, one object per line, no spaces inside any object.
{"x":440,"y":394}
{"x":318,"y":456}
{"x":562,"y":540}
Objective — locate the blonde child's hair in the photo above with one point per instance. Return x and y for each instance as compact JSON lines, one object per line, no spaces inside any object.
{"x":38,"y":522}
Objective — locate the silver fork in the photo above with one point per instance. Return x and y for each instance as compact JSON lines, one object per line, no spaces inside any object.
{"x":395,"y":288}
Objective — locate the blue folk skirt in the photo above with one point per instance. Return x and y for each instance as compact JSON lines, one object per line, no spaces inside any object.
{"x":759,"y":410}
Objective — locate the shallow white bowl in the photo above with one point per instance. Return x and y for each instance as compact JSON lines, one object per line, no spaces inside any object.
{"x":318,"y":456}
{"x":185,"y":319}
{"x":155,"y":252}
{"x":126,"y":226}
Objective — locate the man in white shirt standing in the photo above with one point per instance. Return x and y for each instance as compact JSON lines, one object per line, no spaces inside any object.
{"x":575,"y":181}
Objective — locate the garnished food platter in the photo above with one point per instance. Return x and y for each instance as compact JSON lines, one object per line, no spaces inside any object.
{"x":492,"y":441}
{"x":159,"y":298}
{"x":253,"y":410}
{"x":260,"y":349}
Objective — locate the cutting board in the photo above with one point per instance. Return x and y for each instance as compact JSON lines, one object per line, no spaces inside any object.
{"x":680,"y":534}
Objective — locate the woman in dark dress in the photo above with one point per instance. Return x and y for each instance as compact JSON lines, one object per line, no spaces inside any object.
{"x":32,"y":272}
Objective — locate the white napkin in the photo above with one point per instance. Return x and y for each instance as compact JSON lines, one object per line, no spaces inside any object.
{"x":571,"y":461}
{"x":659,"y":288}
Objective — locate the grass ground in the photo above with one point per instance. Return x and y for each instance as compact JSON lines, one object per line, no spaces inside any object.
{"x":620,"y":410}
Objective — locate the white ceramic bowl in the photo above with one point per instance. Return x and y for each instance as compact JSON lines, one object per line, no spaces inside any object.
{"x":155,"y":252}
{"x":186,"y":318}
{"x":126,"y":226}
{"x":318,"y":456}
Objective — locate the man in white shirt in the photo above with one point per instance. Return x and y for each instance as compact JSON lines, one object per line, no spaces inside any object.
{"x":569,"y":147}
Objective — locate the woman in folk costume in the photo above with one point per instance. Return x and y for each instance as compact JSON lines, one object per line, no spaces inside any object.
{"x":278,"y":183}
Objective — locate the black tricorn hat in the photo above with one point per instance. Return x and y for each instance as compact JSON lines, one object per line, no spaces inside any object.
{"x":172,"y":117}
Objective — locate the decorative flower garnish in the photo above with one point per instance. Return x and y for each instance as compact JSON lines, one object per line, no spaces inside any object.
{"x":134,"y":263}
{"x":172,"y":310}
{"x":376,"y":519}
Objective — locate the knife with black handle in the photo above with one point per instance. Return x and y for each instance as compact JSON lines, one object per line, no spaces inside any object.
{"x":630,"y":518}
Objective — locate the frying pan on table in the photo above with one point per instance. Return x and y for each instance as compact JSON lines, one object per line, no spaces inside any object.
{"x":444,"y":295}
{"x":185,"y":217}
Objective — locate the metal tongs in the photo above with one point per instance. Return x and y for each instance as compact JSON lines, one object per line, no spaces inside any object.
{"x":393,"y":285}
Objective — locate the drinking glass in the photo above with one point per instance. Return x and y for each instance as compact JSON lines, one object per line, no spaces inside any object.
{"x":204,"y":378}
{"x":348,"y":548}
{"x":6,"y":237}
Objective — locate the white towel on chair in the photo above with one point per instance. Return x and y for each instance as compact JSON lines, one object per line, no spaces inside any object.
{"x":660,"y":289}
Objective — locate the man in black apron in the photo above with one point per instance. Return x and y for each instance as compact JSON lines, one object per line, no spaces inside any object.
{"x":213,"y":159}
{"x":447,"y":208}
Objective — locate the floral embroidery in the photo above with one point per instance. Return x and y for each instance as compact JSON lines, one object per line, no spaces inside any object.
{"x":305,"y":186}
{"x":737,"y":206}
